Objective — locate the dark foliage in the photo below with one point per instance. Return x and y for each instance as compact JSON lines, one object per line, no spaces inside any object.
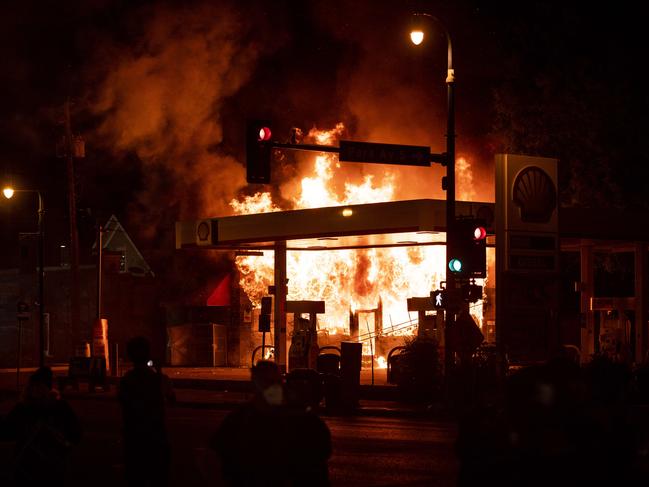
{"x":418,"y":370}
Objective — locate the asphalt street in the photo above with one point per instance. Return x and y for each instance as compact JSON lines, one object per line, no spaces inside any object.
{"x":367,"y":450}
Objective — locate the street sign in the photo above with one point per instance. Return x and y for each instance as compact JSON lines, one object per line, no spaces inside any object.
{"x":264,"y":323}
{"x":532,"y":262}
{"x":405,"y":155}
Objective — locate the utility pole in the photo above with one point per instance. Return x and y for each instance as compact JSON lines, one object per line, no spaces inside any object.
{"x":100,"y":245}
{"x":41,"y":281}
{"x":74,"y":236}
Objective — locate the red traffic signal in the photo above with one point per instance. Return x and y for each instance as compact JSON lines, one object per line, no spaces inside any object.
{"x":258,"y":151}
{"x":479,"y":233}
{"x":264,"y":134}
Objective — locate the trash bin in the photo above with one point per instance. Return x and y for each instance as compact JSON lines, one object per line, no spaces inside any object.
{"x":350,"y":373}
{"x":328,"y":363}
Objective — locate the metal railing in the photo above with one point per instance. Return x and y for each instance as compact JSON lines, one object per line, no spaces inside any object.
{"x":412,"y":323}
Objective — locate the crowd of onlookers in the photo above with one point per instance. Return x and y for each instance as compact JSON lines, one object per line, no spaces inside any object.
{"x":556,"y":423}
{"x":44,"y":429}
{"x":559,"y":423}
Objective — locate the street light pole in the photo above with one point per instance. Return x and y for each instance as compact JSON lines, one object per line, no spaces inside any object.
{"x":8,"y":193}
{"x":75,"y":313}
{"x":417,"y":36}
{"x":41,"y":279}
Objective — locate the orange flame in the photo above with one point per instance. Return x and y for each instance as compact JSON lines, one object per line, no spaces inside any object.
{"x":345,"y":279}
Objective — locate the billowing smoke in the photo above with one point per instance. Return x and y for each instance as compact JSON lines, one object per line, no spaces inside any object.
{"x":161,"y":98}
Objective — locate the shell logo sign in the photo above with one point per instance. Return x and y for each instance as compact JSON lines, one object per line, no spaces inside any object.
{"x":527,"y":257}
{"x":535,"y":194}
{"x":527,"y":207}
{"x":526,"y":193}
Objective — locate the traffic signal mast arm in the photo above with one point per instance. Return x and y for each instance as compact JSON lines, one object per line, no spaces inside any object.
{"x":306,"y":147}
{"x":259,"y":148}
{"x":439,"y":158}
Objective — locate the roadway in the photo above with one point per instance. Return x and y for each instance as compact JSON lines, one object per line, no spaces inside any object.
{"x":379,"y":450}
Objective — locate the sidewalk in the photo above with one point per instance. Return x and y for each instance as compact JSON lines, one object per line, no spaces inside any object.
{"x":227,"y":388}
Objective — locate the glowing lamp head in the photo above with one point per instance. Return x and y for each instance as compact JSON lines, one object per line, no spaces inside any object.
{"x":264,"y":134}
{"x":417,"y":36}
{"x":348,"y":212}
{"x":8,"y":192}
{"x":479,"y":233}
{"x":455,"y":265}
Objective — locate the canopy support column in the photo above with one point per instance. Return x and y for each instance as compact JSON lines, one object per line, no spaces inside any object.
{"x":280,"y":304}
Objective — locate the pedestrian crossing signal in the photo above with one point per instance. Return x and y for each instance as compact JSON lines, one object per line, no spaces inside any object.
{"x":439,"y":298}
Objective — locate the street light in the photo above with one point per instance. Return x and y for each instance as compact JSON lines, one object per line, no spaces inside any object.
{"x":417,"y":38}
{"x":8,"y":193}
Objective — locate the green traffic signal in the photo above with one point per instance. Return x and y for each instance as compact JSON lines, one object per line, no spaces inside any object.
{"x":455,"y":265}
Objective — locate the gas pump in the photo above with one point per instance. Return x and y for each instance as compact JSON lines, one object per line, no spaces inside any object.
{"x":303,"y":352}
{"x":613,"y":334}
{"x":614,"y":327}
{"x":302,"y":341}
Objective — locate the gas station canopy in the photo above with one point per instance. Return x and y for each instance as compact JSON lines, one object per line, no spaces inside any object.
{"x":390,"y":224}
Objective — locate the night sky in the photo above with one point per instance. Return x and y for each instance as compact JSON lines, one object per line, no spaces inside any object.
{"x":161,"y":92}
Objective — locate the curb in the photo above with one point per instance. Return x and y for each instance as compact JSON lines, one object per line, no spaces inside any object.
{"x":229,"y":405}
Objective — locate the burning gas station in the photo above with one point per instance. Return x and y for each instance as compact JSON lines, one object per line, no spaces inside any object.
{"x":371,"y":274}
{"x":319,"y":252}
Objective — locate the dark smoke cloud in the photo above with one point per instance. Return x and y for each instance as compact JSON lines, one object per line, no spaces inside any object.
{"x":174,"y":95}
{"x":161,"y":98}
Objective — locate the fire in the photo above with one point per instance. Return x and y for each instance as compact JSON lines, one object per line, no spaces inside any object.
{"x":346,"y":280}
{"x":257,"y":203}
{"x":381,"y":362}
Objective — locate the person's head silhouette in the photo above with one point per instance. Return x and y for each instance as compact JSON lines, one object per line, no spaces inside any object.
{"x":138,"y":350}
{"x":267,"y":380}
{"x":42,"y":376}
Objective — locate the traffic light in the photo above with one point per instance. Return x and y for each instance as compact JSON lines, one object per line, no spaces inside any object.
{"x":471,"y":292}
{"x":467,"y":249}
{"x":258,"y":151}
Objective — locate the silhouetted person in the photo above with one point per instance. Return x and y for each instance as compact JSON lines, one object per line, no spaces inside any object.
{"x":268,"y":443}
{"x":143,"y":392}
{"x":609,"y":387}
{"x":44,"y":428}
{"x":641,"y":376}
{"x":560,"y":425}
